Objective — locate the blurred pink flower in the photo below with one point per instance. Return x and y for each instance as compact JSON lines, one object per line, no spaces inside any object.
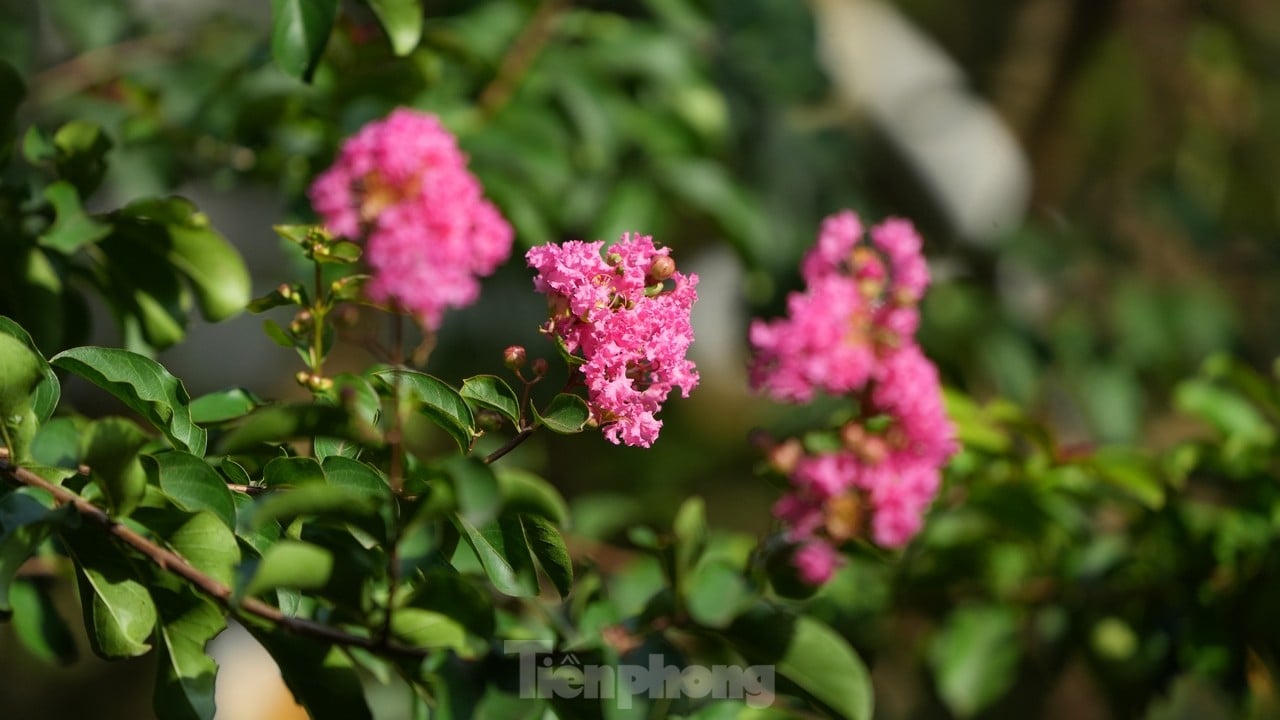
{"x":626,"y":315}
{"x":816,"y":562}
{"x":401,"y":186}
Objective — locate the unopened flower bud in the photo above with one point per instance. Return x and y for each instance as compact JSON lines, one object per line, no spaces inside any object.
{"x":540,"y":367}
{"x":303,"y":377}
{"x":514,"y":357}
{"x":662,"y":268}
{"x":785,"y":456}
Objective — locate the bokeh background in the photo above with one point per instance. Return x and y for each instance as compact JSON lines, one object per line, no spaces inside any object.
{"x":1097,"y":184}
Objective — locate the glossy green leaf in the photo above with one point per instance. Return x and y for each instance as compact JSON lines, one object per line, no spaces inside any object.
{"x":291,"y":564}
{"x":143,"y":385}
{"x":119,"y":614}
{"x":48,"y":391}
{"x":566,"y":414}
{"x":72,"y":227}
{"x":191,"y":484}
{"x":524,"y":492}
{"x":20,"y":372}
{"x":38,"y":625}
{"x":321,"y":677}
{"x":809,"y":654}
{"x":185,"y":673}
{"x":503,"y":552}
{"x":196,"y":249}
{"x":223,"y":405}
{"x":548,"y":547}
{"x":493,"y":393}
{"x":347,"y":473}
{"x":975,"y":658}
{"x":402,"y":19}
{"x":300,"y":31}
{"x":437,"y":400}
{"x":201,"y":537}
{"x":426,"y":629}
{"x":110,"y":448}
{"x":291,"y":472}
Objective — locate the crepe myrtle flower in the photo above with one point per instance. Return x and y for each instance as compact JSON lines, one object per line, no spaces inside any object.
{"x":401,"y":187}
{"x":622,"y":314}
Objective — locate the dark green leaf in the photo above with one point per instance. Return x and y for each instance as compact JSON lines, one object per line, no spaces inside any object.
{"x":185,"y":673}
{"x":292,"y":472}
{"x":549,"y":548}
{"x":566,"y":414}
{"x":143,"y":385}
{"x":291,"y":564}
{"x":12,"y":90}
{"x":524,"y":492}
{"x":315,"y":500}
{"x":809,"y":654}
{"x":503,"y":552}
{"x":475,"y":487}
{"x":355,"y":475}
{"x":437,"y":400}
{"x":82,"y":154}
{"x":119,"y":614}
{"x":27,"y":516}
{"x":49,"y":390}
{"x":300,"y":30}
{"x":38,"y":624}
{"x":402,"y":19}
{"x":321,"y":677}
{"x":279,"y":423}
{"x":975,"y":657}
{"x":493,"y":393}
{"x":715,"y":593}
{"x":690,"y":527}
{"x":224,"y":405}
{"x":192,"y":484}
{"x":110,"y":448}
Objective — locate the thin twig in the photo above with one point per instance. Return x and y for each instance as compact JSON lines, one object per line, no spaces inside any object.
{"x":520,"y":56}
{"x":174,"y":563}
{"x":509,"y":446}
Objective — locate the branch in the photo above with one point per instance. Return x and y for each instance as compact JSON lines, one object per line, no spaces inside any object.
{"x":509,"y":446}
{"x":520,"y":56}
{"x":174,"y":563}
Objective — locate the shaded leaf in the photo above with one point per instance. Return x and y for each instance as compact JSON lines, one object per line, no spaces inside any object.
{"x":39,"y":626}
{"x":320,"y":676}
{"x":192,"y":484}
{"x":566,"y":414}
{"x":493,"y":393}
{"x":119,"y":614}
{"x":48,"y":391}
{"x":549,"y":548}
{"x":524,"y":492}
{"x":437,"y":400}
{"x":503,"y":552}
{"x":402,"y":19}
{"x":185,"y":673}
{"x":300,"y":31}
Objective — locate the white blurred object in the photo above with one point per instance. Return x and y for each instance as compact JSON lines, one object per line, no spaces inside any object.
{"x":886,"y":69}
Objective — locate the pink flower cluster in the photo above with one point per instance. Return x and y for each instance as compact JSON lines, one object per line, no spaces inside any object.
{"x":626,"y":316}
{"x":402,"y":186}
{"x":852,"y":332}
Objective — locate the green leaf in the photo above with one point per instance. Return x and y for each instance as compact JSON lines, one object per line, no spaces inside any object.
{"x":1229,"y":413}
{"x":809,"y":654}
{"x":110,"y":448}
{"x":185,"y":673}
{"x":20,"y":372}
{"x":119,"y":614}
{"x":524,"y":492}
{"x":493,"y":393}
{"x":716,"y":593}
{"x":321,"y":677}
{"x":191,"y":484}
{"x":224,"y":405}
{"x":402,"y":19}
{"x":475,"y":487}
{"x":355,"y":475}
{"x":279,"y":423}
{"x":690,"y":527}
{"x":82,"y":154}
{"x":27,"y":516}
{"x":300,"y":30}
{"x":503,"y":552}
{"x":566,"y":414}
{"x":191,"y":245}
{"x":291,"y":564}
{"x":202,"y":538}
{"x":49,"y":390}
{"x":426,"y":629}
{"x":72,"y":227}
{"x":437,"y":400}
{"x":549,"y":548}
{"x":39,"y":626}
{"x":975,"y":657}
{"x":315,"y":500}
{"x":292,"y":472}
{"x":142,"y":384}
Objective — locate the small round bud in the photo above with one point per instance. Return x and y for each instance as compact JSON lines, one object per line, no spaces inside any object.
{"x":540,"y":367}
{"x":514,"y":357}
{"x":303,"y":377}
{"x":784,"y":456}
{"x":662,"y":268}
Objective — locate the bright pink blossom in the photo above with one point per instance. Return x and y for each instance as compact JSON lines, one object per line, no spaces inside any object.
{"x":402,"y":186}
{"x":630,"y":329}
{"x":816,"y":562}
